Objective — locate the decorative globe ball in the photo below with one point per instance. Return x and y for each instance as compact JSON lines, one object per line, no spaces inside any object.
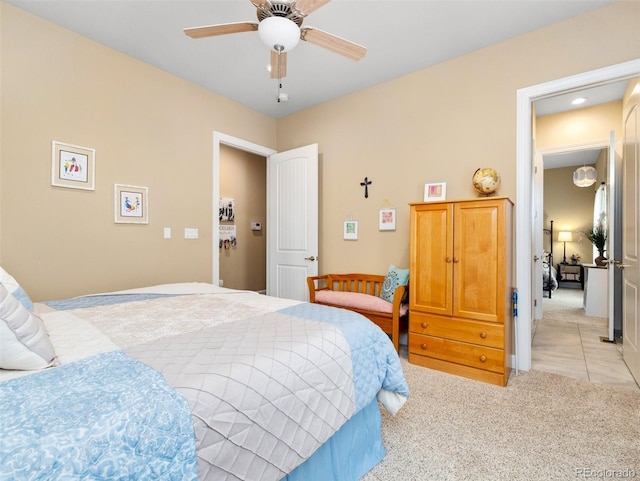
{"x":486,"y":181}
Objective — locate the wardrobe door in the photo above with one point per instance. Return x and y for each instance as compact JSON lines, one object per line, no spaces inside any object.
{"x":431,"y":258}
{"x":479,"y":260}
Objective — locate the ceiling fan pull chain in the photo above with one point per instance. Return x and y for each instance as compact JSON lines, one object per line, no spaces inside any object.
{"x":282,"y":97}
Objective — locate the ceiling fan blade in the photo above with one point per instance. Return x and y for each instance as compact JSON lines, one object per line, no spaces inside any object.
{"x":305,"y":7}
{"x":334,"y":43}
{"x":278,"y":64}
{"x":221,"y":29}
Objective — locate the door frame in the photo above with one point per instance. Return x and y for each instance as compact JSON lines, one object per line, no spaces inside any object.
{"x":524,"y":188}
{"x":240,"y":144}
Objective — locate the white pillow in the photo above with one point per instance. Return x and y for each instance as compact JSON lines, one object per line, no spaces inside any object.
{"x":15,"y":289}
{"x":24,"y":341}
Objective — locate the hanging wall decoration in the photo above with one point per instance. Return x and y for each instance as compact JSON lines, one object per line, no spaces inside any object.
{"x":350,"y":230}
{"x":72,"y":166}
{"x":131,"y":204}
{"x":387,"y":216}
{"x":227,"y":236}
{"x":366,"y":183}
{"x":226,"y":209}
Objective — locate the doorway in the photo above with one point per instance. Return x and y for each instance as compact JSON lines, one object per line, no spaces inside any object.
{"x":292,"y":214}
{"x":524,"y":177}
{"x":568,"y":339}
{"x":242,"y":216}
{"x":242,"y":145}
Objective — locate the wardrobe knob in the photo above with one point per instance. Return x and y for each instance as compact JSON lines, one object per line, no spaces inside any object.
{"x":483,"y":335}
{"x":424,"y":346}
{"x":424,"y":325}
{"x":483,"y":358}
{"x":456,"y":259}
{"x":449,"y":260}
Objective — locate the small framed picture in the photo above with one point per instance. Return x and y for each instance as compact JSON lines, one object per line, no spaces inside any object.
{"x":387,"y":219}
{"x":72,"y":166}
{"x":131,"y":204}
{"x":350,"y":230}
{"x":435,"y":191}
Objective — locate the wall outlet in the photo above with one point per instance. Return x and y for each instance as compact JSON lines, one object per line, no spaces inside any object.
{"x":190,"y":233}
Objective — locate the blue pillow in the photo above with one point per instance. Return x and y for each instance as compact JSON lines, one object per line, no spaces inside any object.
{"x":12,"y":286}
{"x":395,"y":277}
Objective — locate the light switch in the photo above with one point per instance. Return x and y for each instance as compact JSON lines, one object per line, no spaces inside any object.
{"x":167,"y":232}
{"x":190,"y":233}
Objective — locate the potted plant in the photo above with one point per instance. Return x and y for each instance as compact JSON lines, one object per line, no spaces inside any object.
{"x":597,"y":235}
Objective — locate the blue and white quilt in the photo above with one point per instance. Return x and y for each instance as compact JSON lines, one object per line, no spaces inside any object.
{"x":108,"y":417}
{"x":267,"y":381}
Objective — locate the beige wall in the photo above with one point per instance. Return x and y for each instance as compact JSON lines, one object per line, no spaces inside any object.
{"x":440,"y":124}
{"x":148,"y":128}
{"x":152,"y":129}
{"x":243,"y":177}
{"x":579,"y":128}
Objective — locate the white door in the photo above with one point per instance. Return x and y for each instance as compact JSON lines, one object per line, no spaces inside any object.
{"x":630,"y":238}
{"x":538,"y":234}
{"x":292,"y":221}
{"x":612,"y":242}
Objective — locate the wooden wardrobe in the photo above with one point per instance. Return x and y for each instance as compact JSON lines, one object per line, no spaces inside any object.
{"x":460,"y":309}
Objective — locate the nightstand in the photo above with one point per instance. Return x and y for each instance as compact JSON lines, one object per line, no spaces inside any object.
{"x":571,"y":273}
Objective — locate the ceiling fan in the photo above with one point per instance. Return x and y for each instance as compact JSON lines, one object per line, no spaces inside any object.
{"x":280,"y":28}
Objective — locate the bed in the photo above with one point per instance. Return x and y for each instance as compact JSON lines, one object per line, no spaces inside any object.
{"x":193,"y":381}
{"x":549,"y":277}
{"x":549,"y":274}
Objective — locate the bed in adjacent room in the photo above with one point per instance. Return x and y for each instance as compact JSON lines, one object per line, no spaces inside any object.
{"x":549,"y":274}
{"x":192,"y":381}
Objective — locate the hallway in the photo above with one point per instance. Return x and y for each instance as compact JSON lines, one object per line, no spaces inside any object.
{"x":567,"y":342}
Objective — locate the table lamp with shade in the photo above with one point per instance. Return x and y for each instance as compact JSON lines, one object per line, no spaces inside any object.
{"x":564,"y":237}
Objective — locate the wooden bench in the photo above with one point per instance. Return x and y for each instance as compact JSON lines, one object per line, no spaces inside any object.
{"x":361,"y":293}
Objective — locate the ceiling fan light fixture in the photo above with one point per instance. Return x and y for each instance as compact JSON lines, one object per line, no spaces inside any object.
{"x":279,"y":34}
{"x":585,"y":176}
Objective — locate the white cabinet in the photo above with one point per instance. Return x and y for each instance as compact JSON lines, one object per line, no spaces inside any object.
{"x":596,"y":291}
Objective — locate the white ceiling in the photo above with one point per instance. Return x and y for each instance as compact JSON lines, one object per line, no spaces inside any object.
{"x":401,"y":37}
{"x":594,"y":96}
{"x":571,"y":159}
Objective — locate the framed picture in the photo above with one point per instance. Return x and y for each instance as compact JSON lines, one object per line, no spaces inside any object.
{"x":350,"y":230}
{"x":72,"y":166}
{"x":436,"y":191}
{"x":131,"y":204}
{"x":387,"y":219}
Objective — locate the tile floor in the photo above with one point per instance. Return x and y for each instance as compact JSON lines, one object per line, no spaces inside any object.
{"x":575,"y":350}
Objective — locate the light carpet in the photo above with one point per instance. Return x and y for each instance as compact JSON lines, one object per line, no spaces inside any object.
{"x":566,"y":305}
{"x":540,"y":427}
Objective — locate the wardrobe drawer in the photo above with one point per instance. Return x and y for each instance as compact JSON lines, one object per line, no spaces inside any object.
{"x":475,"y":332}
{"x":480,"y":357}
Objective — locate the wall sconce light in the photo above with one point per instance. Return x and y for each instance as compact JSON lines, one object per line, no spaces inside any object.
{"x":564,"y":237}
{"x":585,"y":176}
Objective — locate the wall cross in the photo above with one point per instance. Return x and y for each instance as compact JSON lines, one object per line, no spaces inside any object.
{"x":366,"y":185}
